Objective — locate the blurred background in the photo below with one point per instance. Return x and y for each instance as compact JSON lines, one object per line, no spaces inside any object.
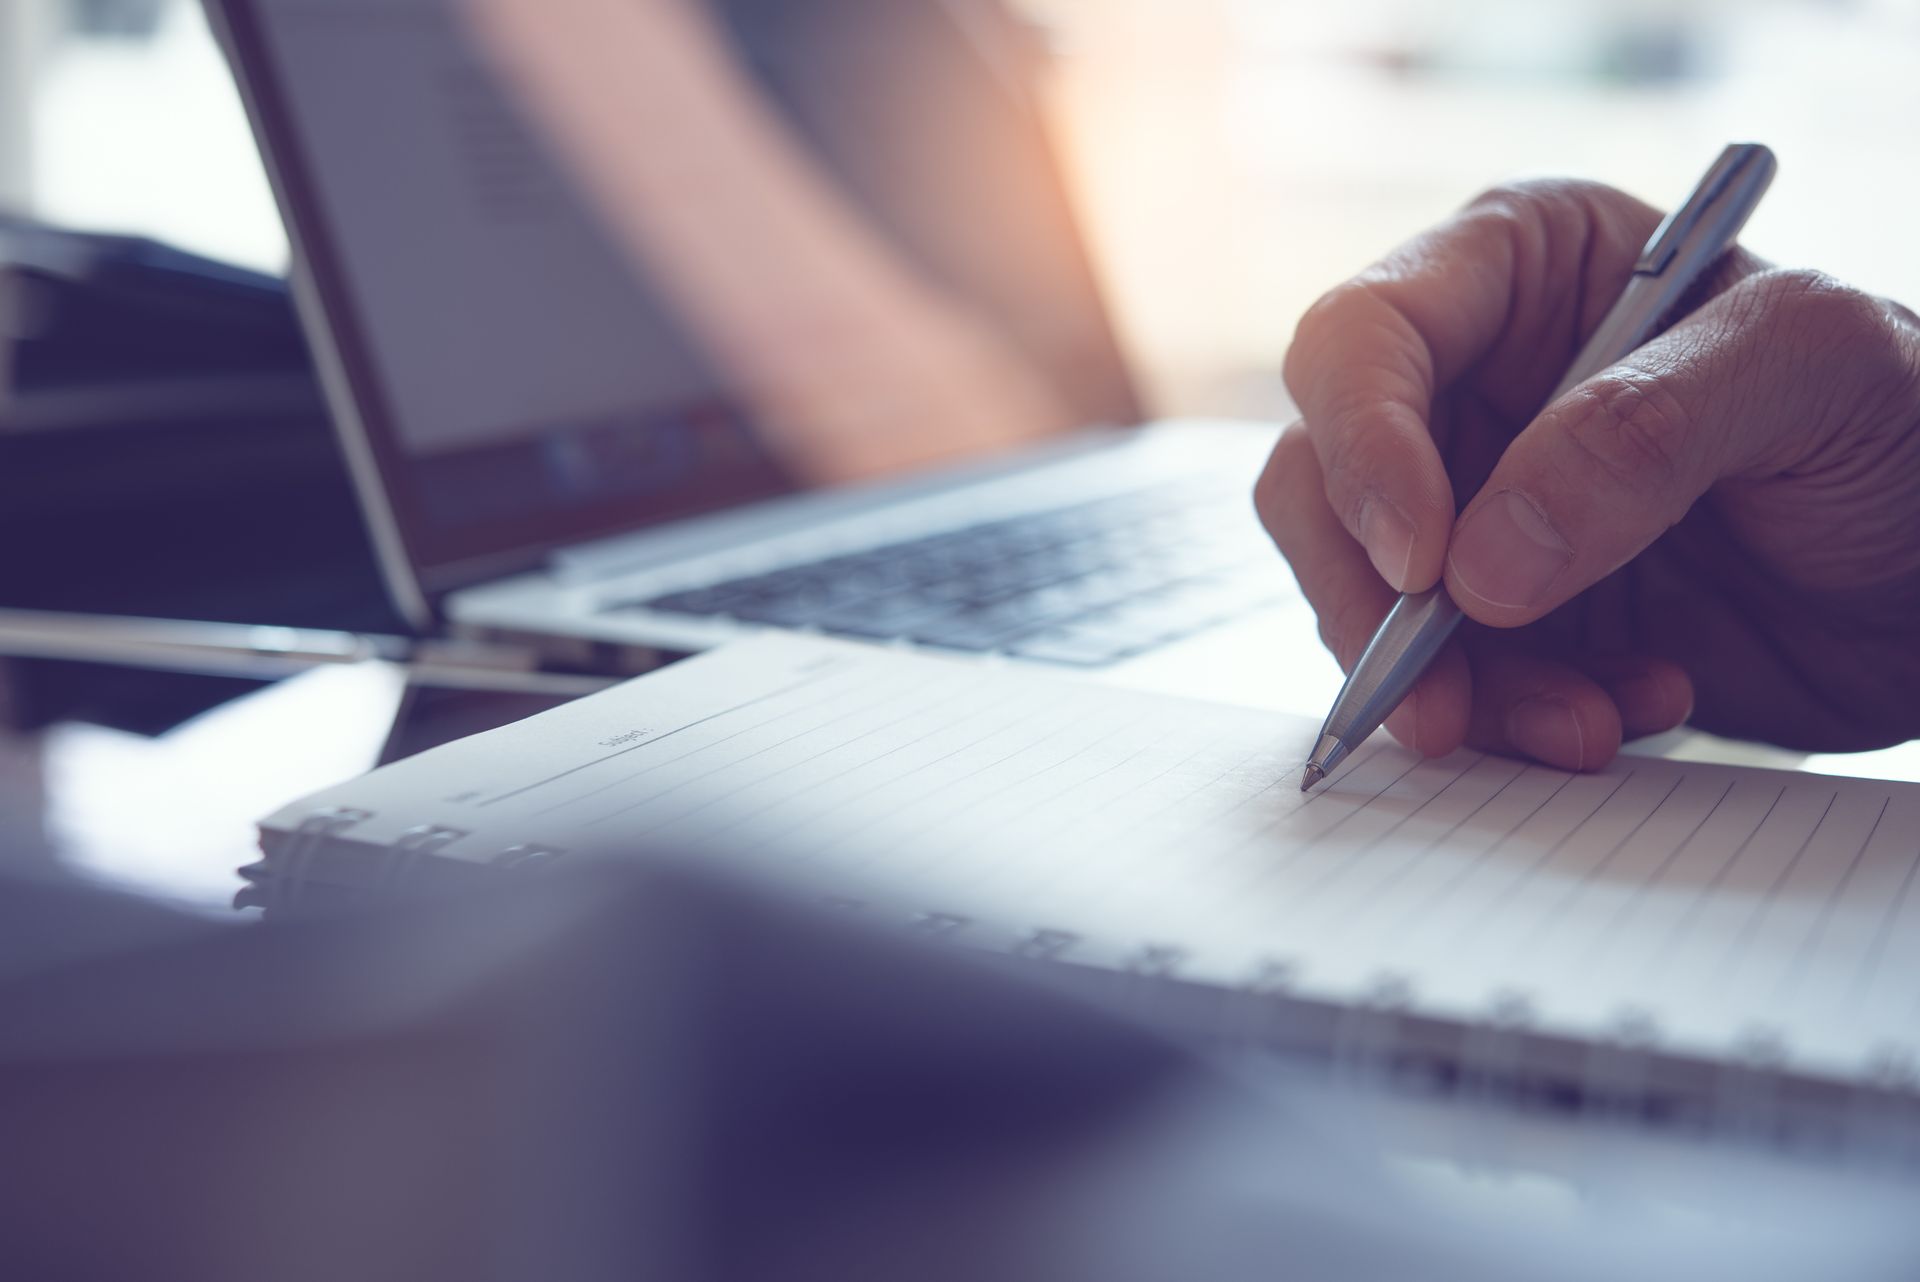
{"x":1233,"y":158}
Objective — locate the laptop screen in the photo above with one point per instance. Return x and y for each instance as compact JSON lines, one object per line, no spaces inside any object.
{"x":848,"y":222}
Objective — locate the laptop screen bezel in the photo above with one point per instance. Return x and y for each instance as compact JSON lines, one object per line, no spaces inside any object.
{"x":423,"y":563}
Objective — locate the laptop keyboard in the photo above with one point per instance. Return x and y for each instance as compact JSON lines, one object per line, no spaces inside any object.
{"x":1086,"y":585}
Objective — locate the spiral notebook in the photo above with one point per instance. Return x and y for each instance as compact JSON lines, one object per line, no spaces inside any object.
{"x":1696,"y":944}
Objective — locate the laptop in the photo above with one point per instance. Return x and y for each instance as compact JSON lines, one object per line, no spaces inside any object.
{"x":558,"y":439}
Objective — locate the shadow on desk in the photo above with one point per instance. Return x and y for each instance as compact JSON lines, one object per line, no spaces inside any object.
{"x":632,"y":1073}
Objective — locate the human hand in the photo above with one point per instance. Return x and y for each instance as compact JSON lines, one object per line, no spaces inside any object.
{"x":1724,"y":527}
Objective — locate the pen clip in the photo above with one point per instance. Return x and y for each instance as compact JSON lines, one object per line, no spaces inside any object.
{"x":1739,"y":176}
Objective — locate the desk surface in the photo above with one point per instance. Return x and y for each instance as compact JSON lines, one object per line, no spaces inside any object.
{"x":173,"y":816}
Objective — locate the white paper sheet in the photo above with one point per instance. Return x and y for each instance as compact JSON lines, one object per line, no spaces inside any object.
{"x":1725,"y":906}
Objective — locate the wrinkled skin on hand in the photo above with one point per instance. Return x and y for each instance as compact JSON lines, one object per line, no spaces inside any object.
{"x":1723,"y":528}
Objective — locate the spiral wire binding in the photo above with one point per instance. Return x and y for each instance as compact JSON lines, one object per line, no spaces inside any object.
{"x":286,"y":883}
{"x":1492,"y":1062}
{"x":1045,"y":944}
{"x":525,"y":856}
{"x":1881,"y":1112}
{"x":1616,"y":1072}
{"x":1368,"y":1037}
{"x":1496,"y":1062}
{"x":1745,"y":1102}
{"x":400,"y":870}
{"x":1257,"y":1016}
{"x":1493,"y":1051}
{"x":286,"y":890}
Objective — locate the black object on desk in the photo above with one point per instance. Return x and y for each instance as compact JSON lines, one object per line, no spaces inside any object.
{"x":100,"y":328}
{"x":164,"y":451}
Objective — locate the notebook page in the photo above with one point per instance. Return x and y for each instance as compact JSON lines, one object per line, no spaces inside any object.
{"x":1726,"y":906}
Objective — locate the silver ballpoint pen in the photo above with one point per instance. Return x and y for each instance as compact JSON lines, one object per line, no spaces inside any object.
{"x":1682,"y":248}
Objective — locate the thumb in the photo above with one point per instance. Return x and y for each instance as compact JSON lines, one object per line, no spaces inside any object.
{"x":1608,"y":468}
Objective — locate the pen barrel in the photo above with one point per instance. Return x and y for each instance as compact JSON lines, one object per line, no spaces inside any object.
{"x":1405,"y":644}
{"x":1683,"y":249}
{"x":1644,"y":303}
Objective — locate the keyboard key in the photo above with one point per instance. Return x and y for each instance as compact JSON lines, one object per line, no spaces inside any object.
{"x":979,"y":630}
{"x":795,"y":610}
{"x":1087,"y":593}
{"x":713,"y":600}
{"x":957,"y":592}
{"x":1198,"y":602}
{"x":884,"y":618}
{"x":1139,"y":624}
{"x":1072,"y":647}
{"x":1083,"y":585}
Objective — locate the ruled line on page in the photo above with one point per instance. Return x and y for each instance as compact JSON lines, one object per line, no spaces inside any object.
{"x":1707,"y":890}
{"x":1596,"y":948}
{"x":1742,"y":942}
{"x":1066,"y":806}
{"x":813,"y":807}
{"x":1477,"y":861}
{"x":1569,"y":894}
{"x":1456,"y":891}
{"x":647,"y":743}
{"x":1344,"y":871}
{"x":1778,"y":929}
{"x":1870,"y":965}
{"x":685,"y":752}
{"x":1797,"y":967}
{"x":870,"y":818}
{"x":816,"y":754}
{"x":812,"y":731}
{"x":1108,"y":880}
{"x":1262,"y":835}
{"x":1439,"y":839}
{"x":1252,"y":912}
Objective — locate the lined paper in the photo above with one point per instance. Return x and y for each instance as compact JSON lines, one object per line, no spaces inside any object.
{"x":1726,"y":906}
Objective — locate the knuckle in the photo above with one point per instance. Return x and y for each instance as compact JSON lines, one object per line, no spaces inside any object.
{"x":1815,"y":307}
{"x":1345,"y":453}
{"x":1332,"y":314}
{"x":1813,"y":302}
{"x":1839,"y":330}
{"x":1630,"y":430}
{"x":1535,"y":195}
{"x":1290,"y":452}
{"x":1362,"y":314}
{"x":1542,"y":205}
{"x":1552,"y":226}
{"x":1352,"y":465}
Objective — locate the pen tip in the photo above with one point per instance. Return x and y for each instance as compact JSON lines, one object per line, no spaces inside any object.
{"x":1314,"y":774}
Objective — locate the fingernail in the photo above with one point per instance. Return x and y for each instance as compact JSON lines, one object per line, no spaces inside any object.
{"x":1387,"y":535}
{"x":1544,"y":726}
{"x":1507,"y":554}
{"x":1645,"y":703}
